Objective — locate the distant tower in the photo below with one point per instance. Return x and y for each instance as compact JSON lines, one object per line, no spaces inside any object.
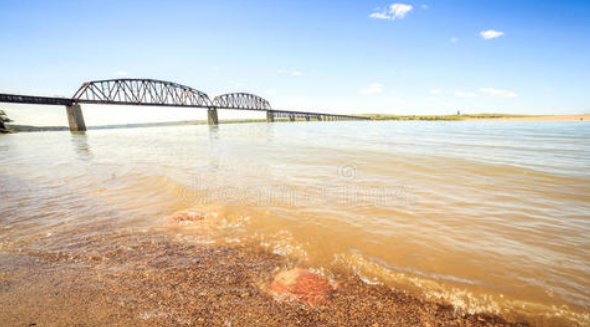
{"x":458,"y":112}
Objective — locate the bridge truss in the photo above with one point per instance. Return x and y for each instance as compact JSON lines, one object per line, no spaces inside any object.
{"x":140,"y":92}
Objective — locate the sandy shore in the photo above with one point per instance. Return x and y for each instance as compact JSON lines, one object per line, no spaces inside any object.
{"x":541,"y":118}
{"x":194,"y":285}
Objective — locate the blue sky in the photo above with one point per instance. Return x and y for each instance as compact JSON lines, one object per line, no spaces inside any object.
{"x":397,"y":57}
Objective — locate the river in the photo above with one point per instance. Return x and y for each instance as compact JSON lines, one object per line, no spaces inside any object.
{"x":490,"y":216}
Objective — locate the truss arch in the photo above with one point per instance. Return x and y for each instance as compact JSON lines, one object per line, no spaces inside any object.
{"x":244,"y":101}
{"x":140,"y":92}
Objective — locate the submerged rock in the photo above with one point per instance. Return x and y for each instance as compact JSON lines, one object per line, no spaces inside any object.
{"x":185,"y":218}
{"x":302,"y":286}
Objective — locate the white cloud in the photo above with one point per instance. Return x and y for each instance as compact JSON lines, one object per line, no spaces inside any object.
{"x":466,"y":94}
{"x":435,"y":91}
{"x":491,"y":34}
{"x":120,"y":73}
{"x":454,"y":39}
{"x":271,"y":91}
{"x":495,"y":93}
{"x":373,"y":88}
{"x":399,"y":10}
{"x":425,"y":7}
{"x":395,"y":11}
{"x":289,"y":72}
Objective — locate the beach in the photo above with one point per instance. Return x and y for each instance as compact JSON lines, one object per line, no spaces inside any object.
{"x":111,"y":283}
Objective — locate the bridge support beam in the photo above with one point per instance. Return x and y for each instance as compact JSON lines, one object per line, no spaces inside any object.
{"x":212,"y":118}
{"x":319,"y":117}
{"x":75,"y":118}
{"x":270,"y":117}
{"x":292,"y":117}
{"x":307,"y":117}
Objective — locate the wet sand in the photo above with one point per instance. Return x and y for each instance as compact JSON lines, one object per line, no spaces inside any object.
{"x":110,"y":282}
{"x":585,"y":117}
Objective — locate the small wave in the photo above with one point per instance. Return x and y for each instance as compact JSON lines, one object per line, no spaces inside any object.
{"x":461,"y":293}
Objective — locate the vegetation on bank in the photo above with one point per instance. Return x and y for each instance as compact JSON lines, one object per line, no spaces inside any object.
{"x":442,"y":117}
{"x":3,"y":120}
{"x":28,"y":128}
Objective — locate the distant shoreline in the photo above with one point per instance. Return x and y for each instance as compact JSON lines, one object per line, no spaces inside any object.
{"x":541,"y":118}
{"x":467,"y":117}
{"x":481,"y":117}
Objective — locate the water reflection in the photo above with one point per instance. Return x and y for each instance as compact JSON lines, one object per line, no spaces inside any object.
{"x":214,"y":148}
{"x":81,"y":147}
{"x":213,"y":132}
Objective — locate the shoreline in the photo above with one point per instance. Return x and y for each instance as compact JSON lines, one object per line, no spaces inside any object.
{"x":585,"y":117}
{"x":467,"y":117}
{"x":215,"y":285}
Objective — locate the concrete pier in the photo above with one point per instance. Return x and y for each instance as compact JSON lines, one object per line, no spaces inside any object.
{"x":292,"y":117}
{"x":307,"y":118}
{"x":319,"y":117}
{"x":75,"y":118}
{"x":270,"y":117}
{"x":212,"y":118}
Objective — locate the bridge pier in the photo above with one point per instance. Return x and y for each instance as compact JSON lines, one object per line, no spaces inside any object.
{"x":212,"y":118}
{"x":75,"y":118}
{"x":307,"y":117}
{"x":270,"y":117}
{"x":319,"y":117}
{"x":292,"y":117}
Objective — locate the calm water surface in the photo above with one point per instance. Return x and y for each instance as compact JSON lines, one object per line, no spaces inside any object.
{"x":491,"y":216}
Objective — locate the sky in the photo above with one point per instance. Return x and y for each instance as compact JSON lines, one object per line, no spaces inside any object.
{"x":406,"y":57}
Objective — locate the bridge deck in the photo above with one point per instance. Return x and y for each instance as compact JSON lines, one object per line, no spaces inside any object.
{"x":29,"y":99}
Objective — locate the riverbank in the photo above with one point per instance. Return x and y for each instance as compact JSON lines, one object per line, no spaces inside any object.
{"x":540,"y":118}
{"x":480,"y":117}
{"x":110,"y":282}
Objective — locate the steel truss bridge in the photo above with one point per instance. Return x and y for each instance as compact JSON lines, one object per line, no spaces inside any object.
{"x":150,"y":92}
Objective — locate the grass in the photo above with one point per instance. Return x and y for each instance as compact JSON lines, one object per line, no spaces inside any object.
{"x":442,"y":117}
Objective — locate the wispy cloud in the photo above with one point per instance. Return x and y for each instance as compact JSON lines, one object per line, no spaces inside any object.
{"x":289,"y":72}
{"x":488,"y":92}
{"x":490,"y":34}
{"x":454,"y":39}
{"x":373,"y":88}
{"x":380,"y":15}
{"x":466,"y":94}
{"x":435,"y":91}
{"x":270,"y":91}
{"x":393,"y":12}
{"x":495,"y":93}
{"x":425,"y":7}
{"x":120,"y":73}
